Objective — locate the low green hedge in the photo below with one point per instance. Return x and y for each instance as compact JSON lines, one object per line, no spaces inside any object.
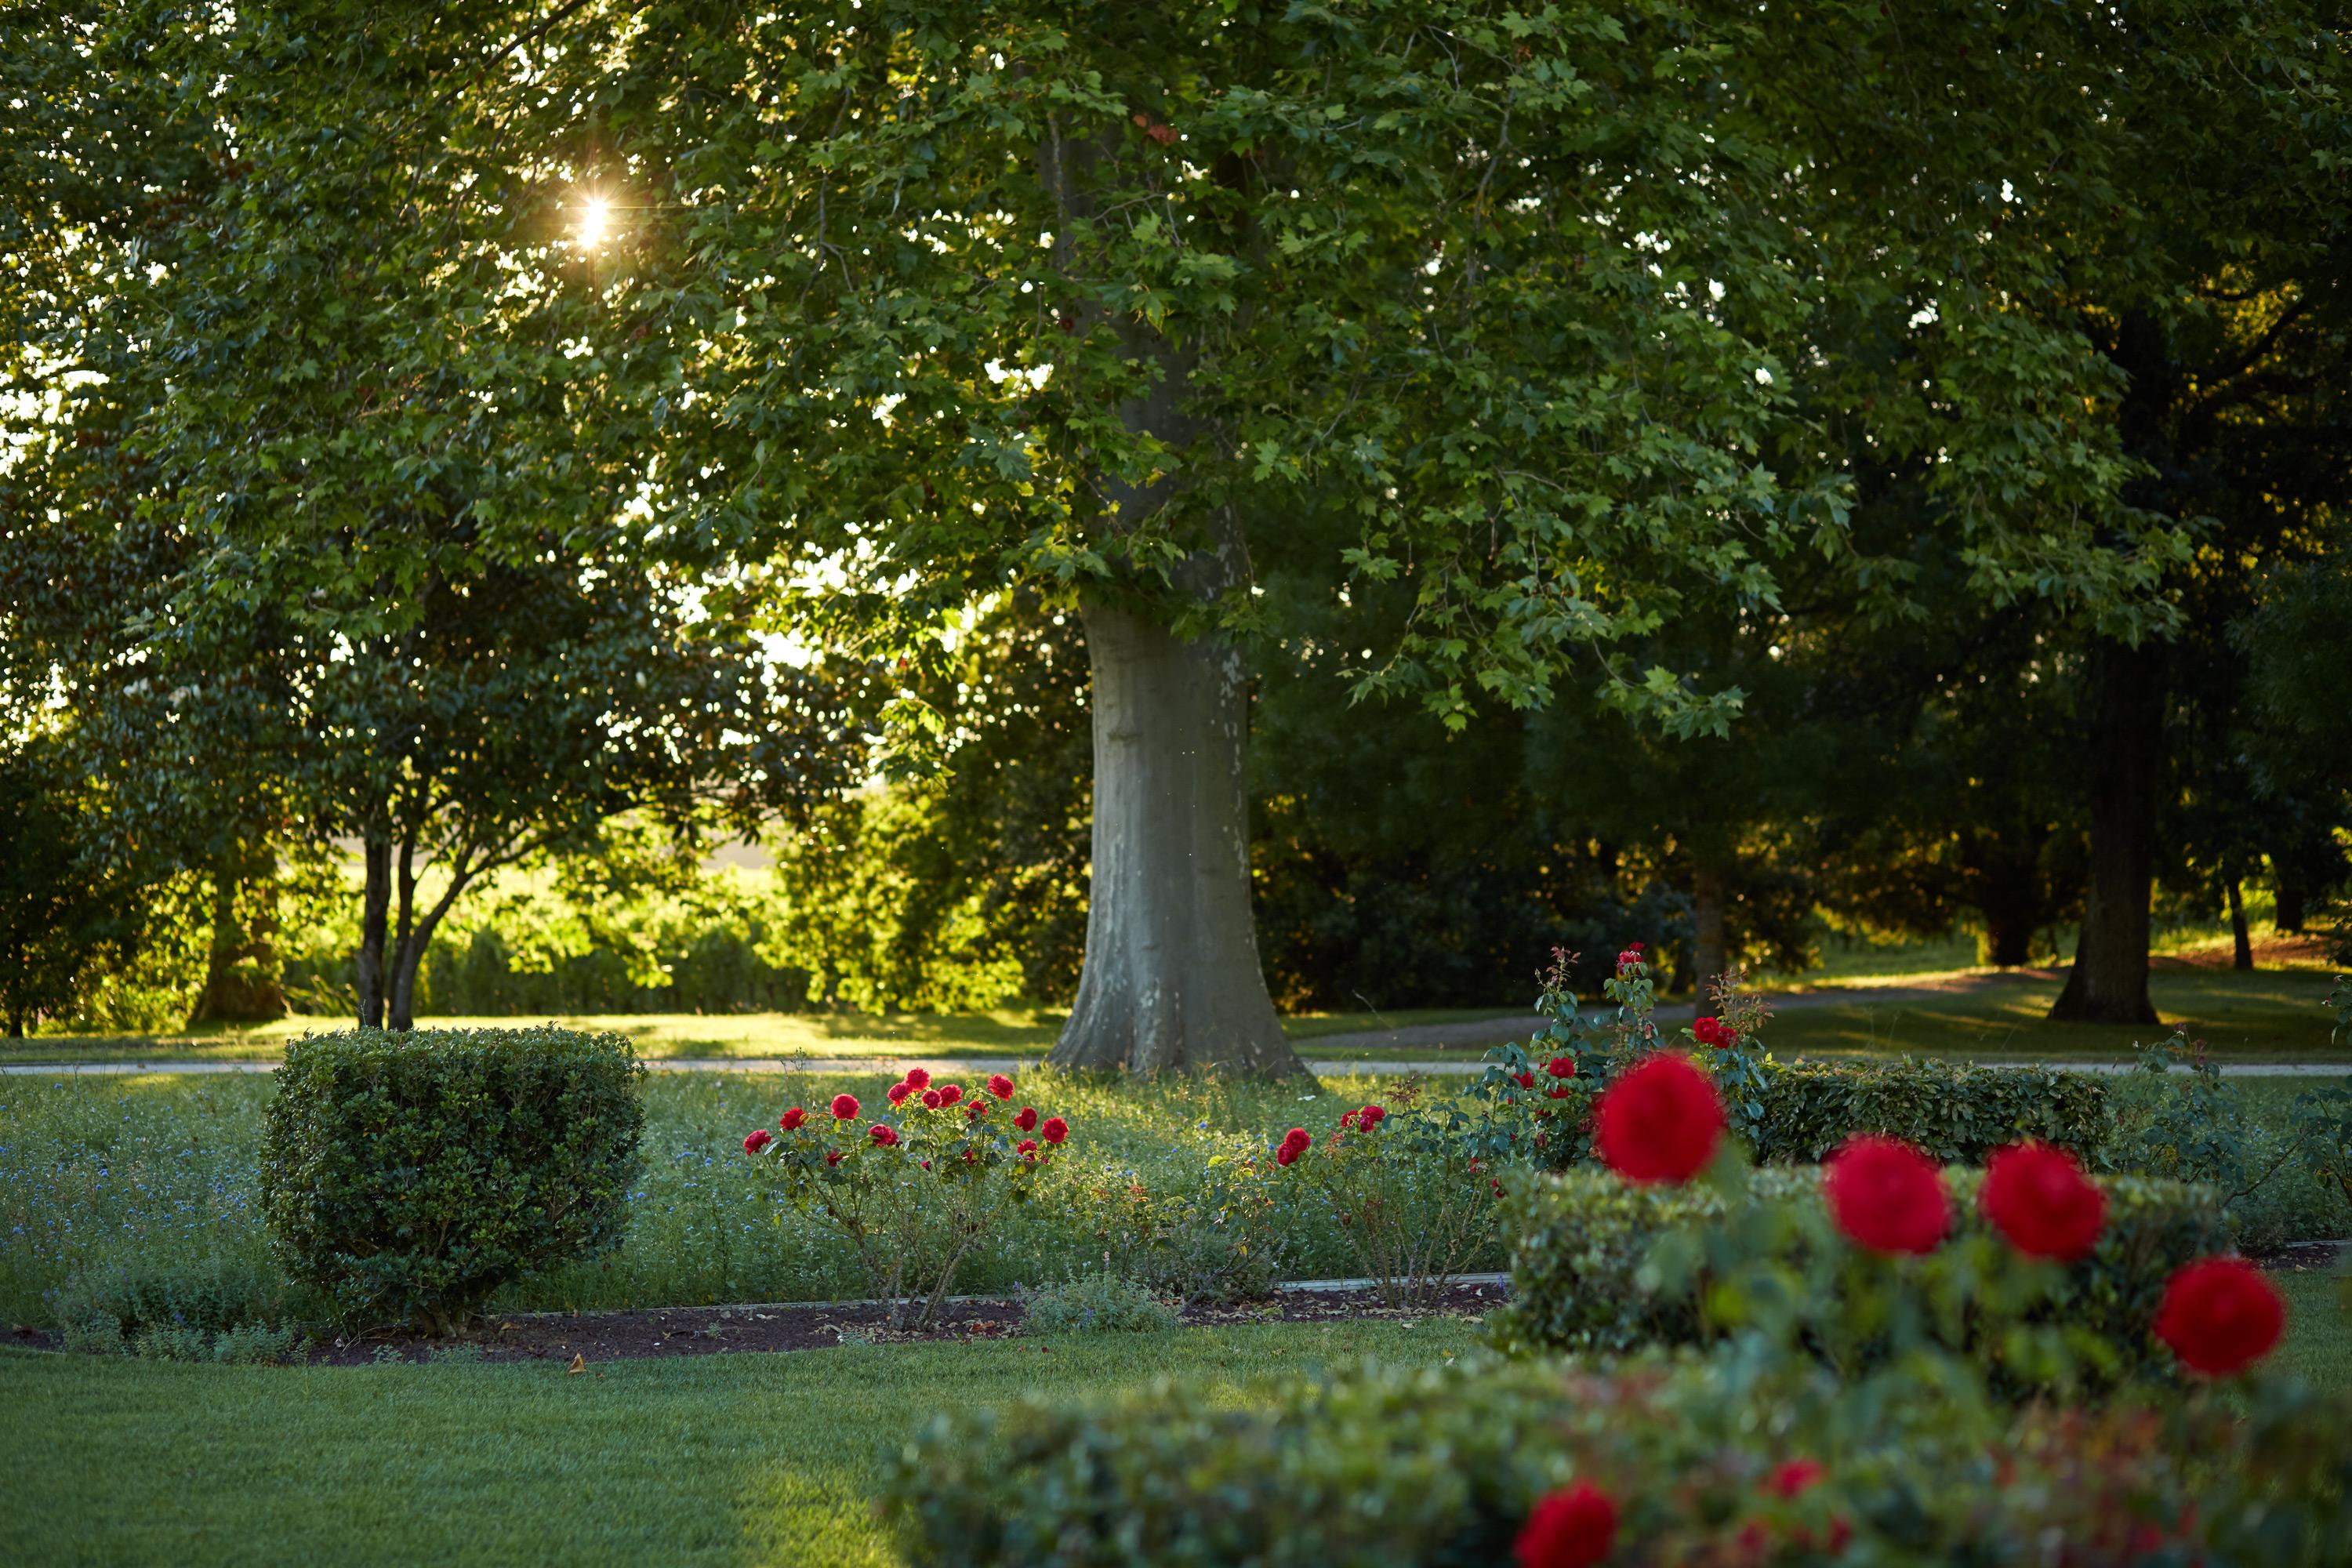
{"x":1440,"y":1468}
{"x":1957,"y":1112}
{"x":1581,"y":1240}
{"x":407,"y":1177}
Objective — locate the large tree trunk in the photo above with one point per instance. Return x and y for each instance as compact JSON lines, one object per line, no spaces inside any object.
{"x":2108,"y":982}
{"x":1710,"y":953}
{"x":241,"y":978}
{"x":374,"y":903}
{"x":1171,"y":980}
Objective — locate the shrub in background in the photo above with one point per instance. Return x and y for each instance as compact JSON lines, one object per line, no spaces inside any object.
{"x":407,"y":1177}
{"x":1096,"y":1304}
{"x":1213,"y":1237}
{"x":184,"y":1309}
{"x":1957,"y":1112}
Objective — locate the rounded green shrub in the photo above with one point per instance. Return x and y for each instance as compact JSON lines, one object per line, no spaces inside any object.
{"x":406,"y":1177}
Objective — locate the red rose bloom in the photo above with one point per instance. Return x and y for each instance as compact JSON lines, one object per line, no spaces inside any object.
{"x":1027,"y":1118}
{"x":1371,"y":1116}
{"x":1791,"y":1478}
{"x":1055,"y":1129}
{"x":976,"y":1110}
{"x":759,"y":1139}
{"x":931,"y":1098}
{"x":1295,"y":1143}
{"x":832,"y":1156}
{"x":1027,"y":1146}
{"x":1660,"y":1123}
{"x":1714,"y":1032}
{"x":899,"y":1093}
{"x":1629,"y":959}
{"x":2038,"y":1197}
{"x":793,"y":1120}
{"x":1347,"y":1119}
{"x":883,"y":1135}
{"x":2220,"y":1315}
{"x":1000,"y":1086}
{"x":1559,"y":1091}
{"x":1527,"y":1080}
{"x":949,"y":1093}
{"x":845,"y":1106}
{"x":1561,"y":1067}
{"x":1571,"y":1528}
{"x":1886,"y":1194}
{"x":918,"y":1078}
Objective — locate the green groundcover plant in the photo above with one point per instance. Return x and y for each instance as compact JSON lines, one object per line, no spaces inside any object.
{"x":1832,"y":1417}
{"x":407,"y":1177}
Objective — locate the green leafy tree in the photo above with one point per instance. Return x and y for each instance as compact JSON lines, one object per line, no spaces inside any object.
{"x":65,"y":913}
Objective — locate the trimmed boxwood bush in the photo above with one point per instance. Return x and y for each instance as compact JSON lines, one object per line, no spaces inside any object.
{"x":408,"y":1176}
{"x":1440,"y":1467}
{"x":1957,"y":1112}
{"x":1582,"y":1238}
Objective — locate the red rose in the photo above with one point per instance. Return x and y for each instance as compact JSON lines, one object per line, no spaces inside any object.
{"x":1629,"y":959}
{"x":1027,"y":1146}
{"x":1791,"y":1478}
{"x":969,"y":1155}
{"x":1000,"y":1086}
{"x":931,"y":1098}
{"x":793,"y":1119}
{"x":1886,"y":1194}
{"x":832,"y":1156}
{"x":759,"y":1139}
{"x":2220,"y":1315}
{"x":918,"y":1078}
{"x":1559,"y":1091}
{"x":1055,"y":1129}
{"x":845,"y":1106}
{"x":1527,"y":1080}
{"x":899,"y":1093}
{"x":1295,"y":1143}
{"x":1561,"y":1067}
{"x":1714,"y":1032}
{"x":1660,"y":1123}
{"x":883,"y":1135}
{"x":1571,"y":1528}
{"x":1347,"y":1119}
{"x":1371,"y":1116}
{"x":1027,"y":1118}
{"x":975,"y":1111}
{"x":2038,"y":1197}
{"x":949,"y":1093}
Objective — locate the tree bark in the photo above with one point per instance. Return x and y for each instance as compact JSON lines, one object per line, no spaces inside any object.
{"x":2288,"y":894}
{"x":1171,"y":980}
{"x":2108,"y":982}
{"x":1710,"y":954}
{"x":2009,"y":942}
{"x":241,"y":978}
{"x":375,"y":901}
{"x":2242,"y":950}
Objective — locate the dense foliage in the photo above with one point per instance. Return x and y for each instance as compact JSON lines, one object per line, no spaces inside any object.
{"x":407,"y":1178}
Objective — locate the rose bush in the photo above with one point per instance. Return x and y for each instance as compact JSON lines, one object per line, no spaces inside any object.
{"x":911,"y":1197}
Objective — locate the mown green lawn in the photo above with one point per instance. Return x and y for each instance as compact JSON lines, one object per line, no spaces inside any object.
{"x":1015,"y":1032}
{"x":729,"y":1460}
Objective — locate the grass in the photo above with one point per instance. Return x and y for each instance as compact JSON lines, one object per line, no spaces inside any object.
{"x":1015,"y":1032}
{"x":735,"y":1460}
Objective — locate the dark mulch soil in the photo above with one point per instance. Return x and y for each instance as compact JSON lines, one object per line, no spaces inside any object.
{"x":708,"y":1330}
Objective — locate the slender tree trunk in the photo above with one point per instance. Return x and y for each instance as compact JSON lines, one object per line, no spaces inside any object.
{"x":241,"y":978}
{"x":16,"y":1026}
{"x":375,"y":901}
{"x":1710,"y":954}
{"x":2009,"y":942}
{"x":1171,"y":979}
{"x":2108,"y":982}
{"x":2242,"y":954}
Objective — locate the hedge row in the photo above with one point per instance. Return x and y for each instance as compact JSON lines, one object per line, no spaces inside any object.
{"x":1580,"y":1241}
{"x":406,"y":1177}
{"x":1703,"y":1462}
